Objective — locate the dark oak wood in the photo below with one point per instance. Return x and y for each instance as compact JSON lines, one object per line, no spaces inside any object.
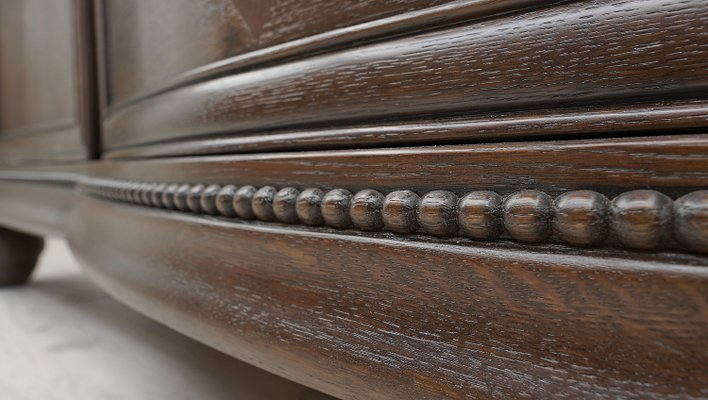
{"x":229,"y":36}
{"x":569,"y":54}
{"x":379,"y":316}
{"x":674,"y":165}
{"x":45,"y":147}
{"x":38,"y":199}
{"x":88,"y":87}
{"x":40,"y":208}
{"x":497,"y":198}
{"x":581,"y":217}
{"x":637,"y":219}
{"x":661,"y":117}
{"x":18,"y":256}
{"x":152,"y":35}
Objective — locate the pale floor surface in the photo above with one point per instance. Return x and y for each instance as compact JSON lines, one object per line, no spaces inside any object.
{"x":63,"y":338}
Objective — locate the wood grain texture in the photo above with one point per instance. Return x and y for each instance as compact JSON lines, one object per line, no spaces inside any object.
{"x":46,"y":147}
{"x":674,"y":165}
{"x":152,"y":35}
{"x":64,"y":338}
{"x":569,"y":54}
{"x":638,"y":219}
{"x":663,"y":116}
{"x":375,"y":316}
{"x":40,"y":207}
{"x":233,"y":35}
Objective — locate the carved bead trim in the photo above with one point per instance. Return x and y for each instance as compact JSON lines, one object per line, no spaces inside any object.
{"x":638,"y":219}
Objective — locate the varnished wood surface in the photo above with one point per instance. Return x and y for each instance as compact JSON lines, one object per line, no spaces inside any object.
{"x":374,"y":316}
{"x":674,"y":165}
{"x":87,"y":75}
{"x":399,"y":272}
{"x":37,"y":74}
{"x":152,"y":36}
{"x":48,"y":147}
{"x":41,"y":208}
{"x":228,"y":36}
{"x":40,"y":82}
{"x":637,"y":219}
{"x":62,"y":337}
{"x":658,"y":117}
{"x":568,"y":54}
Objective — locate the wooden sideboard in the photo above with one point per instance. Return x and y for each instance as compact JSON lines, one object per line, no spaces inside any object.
{"x":406,"y":199}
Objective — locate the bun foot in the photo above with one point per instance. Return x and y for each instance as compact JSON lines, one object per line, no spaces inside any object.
{"x":18,"y":256}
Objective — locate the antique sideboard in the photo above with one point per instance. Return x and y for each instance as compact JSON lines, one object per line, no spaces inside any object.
{"x":378,"y":199}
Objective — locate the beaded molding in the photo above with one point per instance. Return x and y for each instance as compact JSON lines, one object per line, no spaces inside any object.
{"x":637,"y":219}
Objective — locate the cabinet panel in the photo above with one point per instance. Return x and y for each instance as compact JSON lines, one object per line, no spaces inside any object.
{"x":41,"y":82}
{"x":579,"y":54}
{"x":37,"y":65}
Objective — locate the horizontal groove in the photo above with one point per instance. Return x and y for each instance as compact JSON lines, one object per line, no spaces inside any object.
{"x":38,"y":129}
{"x":674,"y":165}
{"x":528,"y":60}
{"x":37,"y":176}
{"x":437,"y":17}
{"x":571,"y":123}
{"x":33,"y":205}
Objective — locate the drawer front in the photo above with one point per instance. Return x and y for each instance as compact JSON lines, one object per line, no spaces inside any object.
{"x":574,"y":61}
{"x":164,"y":39}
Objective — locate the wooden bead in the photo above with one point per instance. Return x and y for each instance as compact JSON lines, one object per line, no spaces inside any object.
{"x":121,"y":191}
{"x":156,"y":195}
{"x":641,"y":219}
{"x":242,"y":202}
{"x":309,"y":206}
{"x":224,"y":201}
{"x":138,"y":193}
{"x":130,"y":191}
{"x":581,"y":217}
{"x":135,"y":192}
{"x":335,"y":208}
{"x":479,"y":215}
{"x":437,"y":213}
{"x":691,"y":221}
{"x":146,"y":193}
{"x":262,"y":203}
{"x":168,"y":196}
{"x":140,"y":189}
{"x":194,"y":198}
{"x":284,"y":205}
{"x":527,"y":215}
{"x":365,"y":210}
{"x":181,"y":197}
{"x":399,"y":211}
{"x":208,"y":199}
{"x":127,"y":191}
